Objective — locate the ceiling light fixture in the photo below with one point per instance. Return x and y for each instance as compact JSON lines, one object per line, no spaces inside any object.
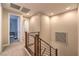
{"x":28,"y":14}
{"x":51,"y":13}
{"x":68,"y":8}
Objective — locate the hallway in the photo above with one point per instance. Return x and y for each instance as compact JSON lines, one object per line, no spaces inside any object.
{"x":57,"y":26}
{"x":15,"y":49}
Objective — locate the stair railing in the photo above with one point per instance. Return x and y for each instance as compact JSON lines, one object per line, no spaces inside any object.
{"x":41,"y":47}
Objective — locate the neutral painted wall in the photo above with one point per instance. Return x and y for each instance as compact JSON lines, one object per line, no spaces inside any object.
{"x":45,"y":28}
{"x":66,"y":22}
{"x":26,"y":24}
{"x":40,"y":23}
{"x":0,"y":27}
{"x":78,"y":29}
{"x":35,"y":23}
{"x":5,"y":27}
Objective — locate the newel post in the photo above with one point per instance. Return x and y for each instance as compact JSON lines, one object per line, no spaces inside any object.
{"x":26,"y":38}
{"x":56,"y":52}
{"x":36,"y":46}
{"x":50,"y":50}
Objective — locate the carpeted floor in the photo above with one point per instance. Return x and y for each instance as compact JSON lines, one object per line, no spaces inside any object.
{"x":15,"y":49}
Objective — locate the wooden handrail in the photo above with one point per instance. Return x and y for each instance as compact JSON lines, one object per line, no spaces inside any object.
{"x":38,"y":33}
{"x":34,"y":32}
{"x":46,"y":43}
{"x":32,"y":36}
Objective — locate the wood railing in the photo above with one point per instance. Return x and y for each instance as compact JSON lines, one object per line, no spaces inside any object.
{"x":38,"y":47}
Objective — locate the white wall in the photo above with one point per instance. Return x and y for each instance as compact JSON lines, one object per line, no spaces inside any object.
{"x":5,"y":27}
{"x":78,"y":29}
{"x":26,"y":24}
{"x":35,"y":23}
{"x":45,"y":28}
{"x":41,"y":23}
{"x":66,"y":22}
{"x":21,"y":26}
{"x":0,"y":27}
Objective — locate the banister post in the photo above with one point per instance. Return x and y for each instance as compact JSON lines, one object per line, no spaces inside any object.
{"x":26,"y":39}
{"x":40,"y":47}
{"x":50,"y":50}
{"x":37,"y":46}
{"x":56,"y":52}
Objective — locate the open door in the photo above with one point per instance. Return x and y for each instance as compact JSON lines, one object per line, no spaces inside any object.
{"x":14,"y":32}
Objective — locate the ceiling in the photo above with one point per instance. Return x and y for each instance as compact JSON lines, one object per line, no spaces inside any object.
{"x":47,"y":8}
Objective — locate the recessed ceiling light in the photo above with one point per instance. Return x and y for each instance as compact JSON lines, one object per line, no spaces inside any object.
{"x":27,"y":14}
{"x":51,"y":13}
{"x":68,"y":8}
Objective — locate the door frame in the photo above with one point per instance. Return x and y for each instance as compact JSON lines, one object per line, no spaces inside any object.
{"x":9,"y":14}
{"x":0,"y":27}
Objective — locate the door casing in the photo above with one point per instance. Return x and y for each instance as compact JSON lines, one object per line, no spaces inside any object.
{"x":20,"y":29}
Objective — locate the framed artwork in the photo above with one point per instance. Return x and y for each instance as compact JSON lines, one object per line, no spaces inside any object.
{"x":61,"y":36}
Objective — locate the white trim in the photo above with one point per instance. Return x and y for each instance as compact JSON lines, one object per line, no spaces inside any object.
{"x":9,"y":25}
{"x":18,"y":23}
{"x":8,"y":29}
{"x":0,"y":27}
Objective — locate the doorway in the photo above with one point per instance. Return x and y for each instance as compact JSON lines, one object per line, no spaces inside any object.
{"x":14,"y":28}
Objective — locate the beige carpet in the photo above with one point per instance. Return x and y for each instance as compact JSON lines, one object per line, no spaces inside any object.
{"x":15,"y":49}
